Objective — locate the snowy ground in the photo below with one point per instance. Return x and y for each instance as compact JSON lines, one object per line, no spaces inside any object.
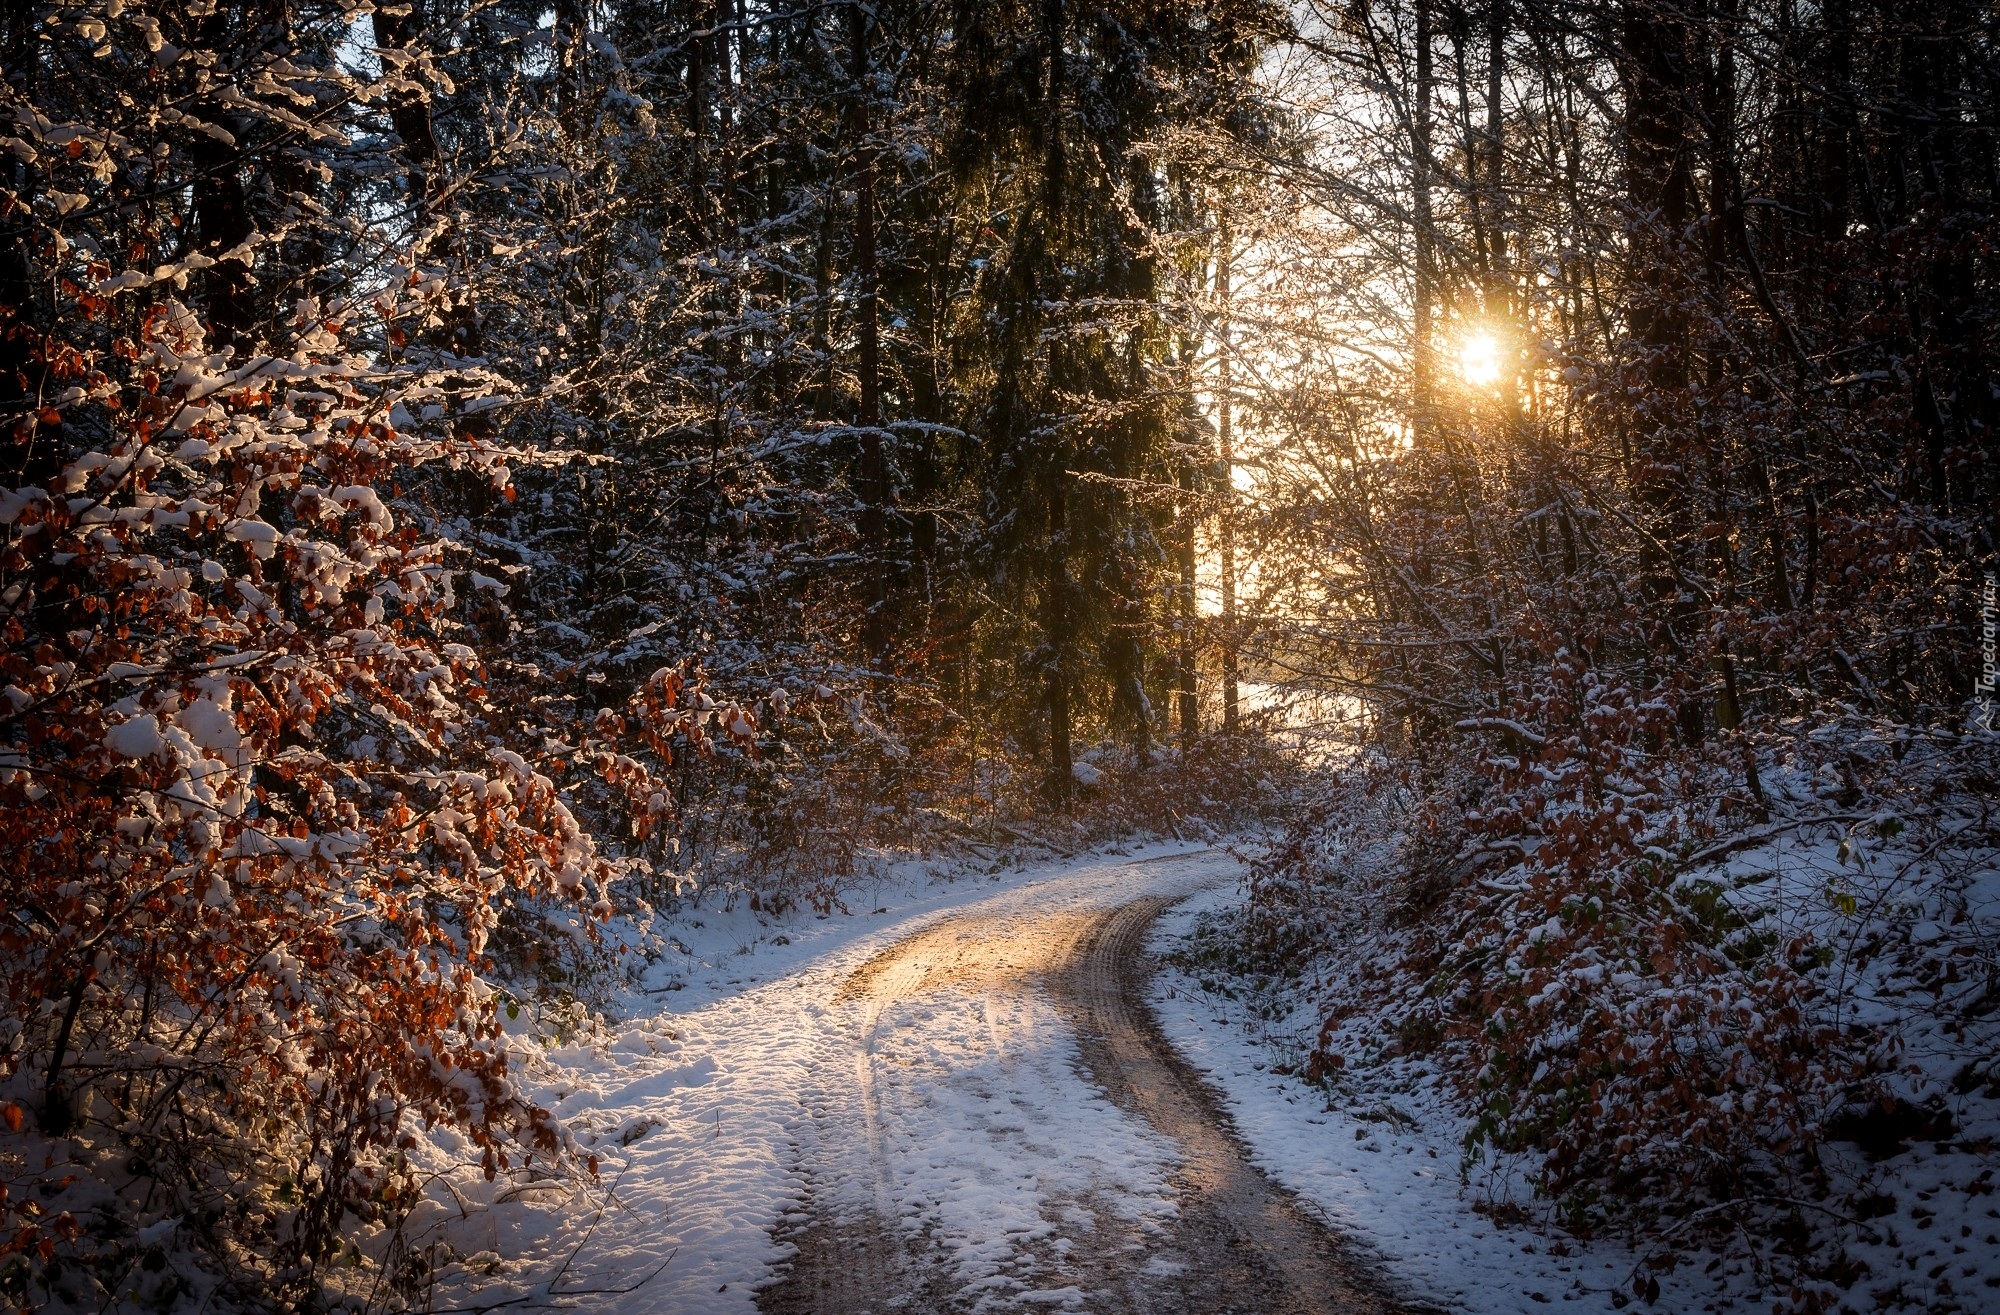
{"x":748,"y":1090}
{"x":1379,"y":1158}
{"x":1379,"y":1150}
{"x":706,"y":1114}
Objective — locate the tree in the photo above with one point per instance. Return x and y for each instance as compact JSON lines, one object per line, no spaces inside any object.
{"x":1592,"y":605}
{"x":261,"y":822}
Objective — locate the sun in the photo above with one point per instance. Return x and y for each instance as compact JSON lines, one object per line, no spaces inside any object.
{"x":1479,"y":360}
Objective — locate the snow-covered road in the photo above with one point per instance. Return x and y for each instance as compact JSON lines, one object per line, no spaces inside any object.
{"x":959,"y":1102}
{"x":1026,"y":1140}
{"x":916,"y":1080}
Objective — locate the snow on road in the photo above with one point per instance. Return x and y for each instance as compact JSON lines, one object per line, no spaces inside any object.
{"x":745,"y":1100}
{"x":1383,"y":1171}
{"x":960,"y":1115}
{"x":979,"y":1128}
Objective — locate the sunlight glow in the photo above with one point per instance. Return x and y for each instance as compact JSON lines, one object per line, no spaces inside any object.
{"x":1479,"y":360}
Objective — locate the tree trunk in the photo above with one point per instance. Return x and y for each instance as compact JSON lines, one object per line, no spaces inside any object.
{"x":1660,"y":192}
{"x":1423,"y":362}
{"x":568,"y":36}
{"x":1496,"y":290}
{"x":1659,"y":183}
{"x":868,"y":412}
{"x":1190,"y":703}
{"x":410,"y":115}
{"x":1056,"y":619}
{"x":1056,"y":625}
{"x":1227,"y":470}
{"x":222,"y":213}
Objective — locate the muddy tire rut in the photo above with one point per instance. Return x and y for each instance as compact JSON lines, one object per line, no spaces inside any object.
{"x":1237,"y":1244}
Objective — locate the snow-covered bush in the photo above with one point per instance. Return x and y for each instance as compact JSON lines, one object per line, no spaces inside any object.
{"x":255,"y":852}
{"x":1673,"y":1008}
{"x":259,"y":814}
{"x":1622,"y":1024}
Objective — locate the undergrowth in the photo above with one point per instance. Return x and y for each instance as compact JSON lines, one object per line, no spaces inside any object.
{"x":1689,"y":1017}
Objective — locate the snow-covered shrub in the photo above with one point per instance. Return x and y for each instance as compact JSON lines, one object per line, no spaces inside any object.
{"x":260,"y":817}
{"x":254,"y":851}
{"x":1622,"y":1027}
{"x":1670,"y":1003}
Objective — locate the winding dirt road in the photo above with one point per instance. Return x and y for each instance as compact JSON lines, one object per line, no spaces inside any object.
{"x":1234,"y":1244}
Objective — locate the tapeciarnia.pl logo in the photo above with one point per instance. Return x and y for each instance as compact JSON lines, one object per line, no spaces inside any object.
{"x":1987,"y":620}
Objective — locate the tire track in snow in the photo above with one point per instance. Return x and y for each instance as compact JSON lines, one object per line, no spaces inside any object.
{"x":1238,"y":1243}
{"x":1246,"y":1244}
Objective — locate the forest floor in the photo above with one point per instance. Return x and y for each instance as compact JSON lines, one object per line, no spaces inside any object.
{"x":984,"y":1095}
{"x":1377,"y":1155}
{"x":1907,"y":1212}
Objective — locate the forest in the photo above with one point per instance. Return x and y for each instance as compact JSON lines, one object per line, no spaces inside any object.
{"x":485,"y":482}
